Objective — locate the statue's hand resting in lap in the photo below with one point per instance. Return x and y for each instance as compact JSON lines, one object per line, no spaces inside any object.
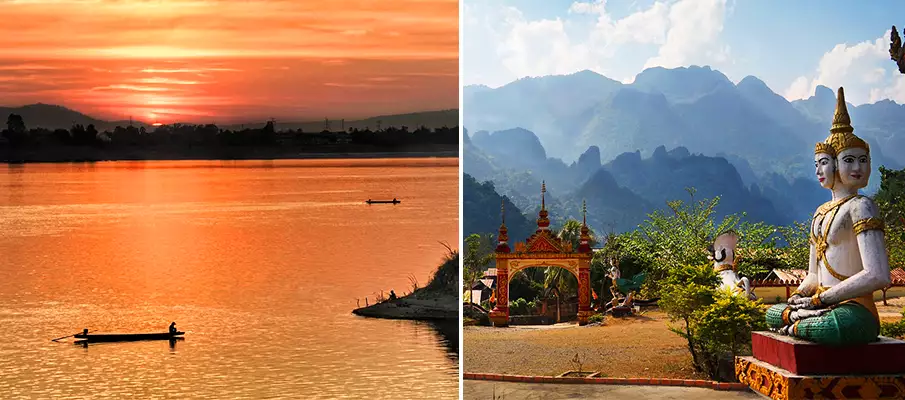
{"x":799,"y":315}
{"x":803,"y":303}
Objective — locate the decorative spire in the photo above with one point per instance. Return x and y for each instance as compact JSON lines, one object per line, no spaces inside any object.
{"x":584,"y":244}
{"x":543,"y":223}
{"x":503,"y":238}
{"x":841,"y":136}
{"x":842,"y":123}
{"x":543,"y":189}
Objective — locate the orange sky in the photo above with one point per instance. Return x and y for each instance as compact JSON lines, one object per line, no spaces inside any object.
{"x":230,"y":61}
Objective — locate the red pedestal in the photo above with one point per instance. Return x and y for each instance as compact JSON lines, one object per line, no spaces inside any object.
{"x":886,"y":356}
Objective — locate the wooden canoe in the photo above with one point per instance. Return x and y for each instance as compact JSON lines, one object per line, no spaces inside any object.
{"x":127,"y":337}
{"x":383,"y":201}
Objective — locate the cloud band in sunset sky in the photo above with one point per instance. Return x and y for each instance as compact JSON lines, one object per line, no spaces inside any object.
{"x":231,"y":60}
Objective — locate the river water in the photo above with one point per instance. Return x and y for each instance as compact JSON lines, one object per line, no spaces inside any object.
{"x":260,"y":262}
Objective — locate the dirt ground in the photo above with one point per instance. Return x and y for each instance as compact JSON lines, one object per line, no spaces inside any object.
{"x":480,"y":390}
{"x":640,"y":346}
{"x":892,"y":311}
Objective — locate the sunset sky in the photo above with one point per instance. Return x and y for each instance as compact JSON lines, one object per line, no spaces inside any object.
{"x":230,"y":61}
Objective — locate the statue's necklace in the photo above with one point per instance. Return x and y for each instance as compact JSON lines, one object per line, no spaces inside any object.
{"x":828,"y":209}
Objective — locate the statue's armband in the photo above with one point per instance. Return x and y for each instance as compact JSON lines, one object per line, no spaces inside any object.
{"x":868,"y":224}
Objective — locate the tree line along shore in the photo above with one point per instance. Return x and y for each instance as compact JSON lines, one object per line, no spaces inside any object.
{"x":18,"y":143}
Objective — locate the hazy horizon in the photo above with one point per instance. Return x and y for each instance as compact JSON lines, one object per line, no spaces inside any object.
{"x":262,"y":121}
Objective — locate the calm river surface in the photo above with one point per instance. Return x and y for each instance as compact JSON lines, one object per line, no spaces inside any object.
{"x":260,"y":262}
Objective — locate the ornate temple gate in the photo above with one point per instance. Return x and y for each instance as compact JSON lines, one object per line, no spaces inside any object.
{"x":542,"y":249}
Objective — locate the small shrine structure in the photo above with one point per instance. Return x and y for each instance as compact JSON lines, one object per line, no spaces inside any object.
{"x":542,"y":249}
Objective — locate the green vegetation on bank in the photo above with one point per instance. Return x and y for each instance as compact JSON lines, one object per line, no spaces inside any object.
{"x":438,"y":300}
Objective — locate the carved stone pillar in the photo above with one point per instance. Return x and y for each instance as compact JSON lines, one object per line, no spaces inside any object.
{"x":500,"y":314}
{"x":584,"y":292}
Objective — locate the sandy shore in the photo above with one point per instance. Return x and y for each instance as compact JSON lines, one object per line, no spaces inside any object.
{"x":418,"y":306}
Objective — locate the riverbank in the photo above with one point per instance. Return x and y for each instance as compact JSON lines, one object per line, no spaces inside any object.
{"x":439,"y":300}
{"x":416,"y":306}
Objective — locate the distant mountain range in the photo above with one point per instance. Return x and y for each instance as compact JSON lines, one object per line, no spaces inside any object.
{"x":54,"y":117}
{"x":695,"y":107}
{"x":621,"y":192}
{"x":637,"y":146}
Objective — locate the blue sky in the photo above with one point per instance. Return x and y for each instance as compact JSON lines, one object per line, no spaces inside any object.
{"x":793,"y":46}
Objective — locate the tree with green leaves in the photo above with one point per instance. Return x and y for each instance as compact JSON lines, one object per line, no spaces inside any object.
{"x":891,"y":201}
{"x":559,"y":277}
{"x":571,"y":233}
{"x":479,"y":253}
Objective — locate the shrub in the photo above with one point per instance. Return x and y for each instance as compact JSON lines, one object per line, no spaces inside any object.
{"x":518,"y":307}
{"x":894,"y":329}
{"x":724,"y":328}
{"x":596,"y":318}
{"x":715,"y":323}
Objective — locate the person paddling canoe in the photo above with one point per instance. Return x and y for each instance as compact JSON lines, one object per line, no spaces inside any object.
{"x":173,"y":328}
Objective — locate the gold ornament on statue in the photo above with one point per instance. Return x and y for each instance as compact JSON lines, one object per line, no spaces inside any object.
{"x":841,"y":136}
{"x":824,"y":148}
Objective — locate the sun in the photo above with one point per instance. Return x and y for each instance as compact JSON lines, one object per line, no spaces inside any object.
{"x":153,"y":117}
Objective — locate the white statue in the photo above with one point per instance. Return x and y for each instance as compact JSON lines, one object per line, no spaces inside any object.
{"x":848,"y":262}
{"x":723,"y":254}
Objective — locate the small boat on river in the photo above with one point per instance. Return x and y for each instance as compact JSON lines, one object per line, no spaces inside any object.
{"x":127,"y":337}
{"x":394,"y":201}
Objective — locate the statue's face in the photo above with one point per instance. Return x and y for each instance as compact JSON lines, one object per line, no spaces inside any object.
{"x":825,"y":167}
{"x":854,"y":167}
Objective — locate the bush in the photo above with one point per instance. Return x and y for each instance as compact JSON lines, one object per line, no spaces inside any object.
{"x":715,"y":323}
{"x":446,"y":277}
{"x":894,"y":329}
{"x":724,"y":329}
{"x":596,"y":318}
{"x":519,"y":307}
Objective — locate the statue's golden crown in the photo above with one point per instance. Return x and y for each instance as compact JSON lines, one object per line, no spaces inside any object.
{"x":841,"y":134}
{"x":824,"y":148}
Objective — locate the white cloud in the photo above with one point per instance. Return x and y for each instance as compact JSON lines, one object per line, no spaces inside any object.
{"x":694,"y":30}
{"x":864,"y":69}
{"x":534,"y":48}
{"x":667,"y":33}
{"x":591,"y":7}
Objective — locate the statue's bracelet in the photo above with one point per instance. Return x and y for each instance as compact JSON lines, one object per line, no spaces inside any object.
{"x":815,"y":300}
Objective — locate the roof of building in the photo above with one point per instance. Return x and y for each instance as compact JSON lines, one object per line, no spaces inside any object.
{"x":787,"y":276}
{"x":898,"y":276}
